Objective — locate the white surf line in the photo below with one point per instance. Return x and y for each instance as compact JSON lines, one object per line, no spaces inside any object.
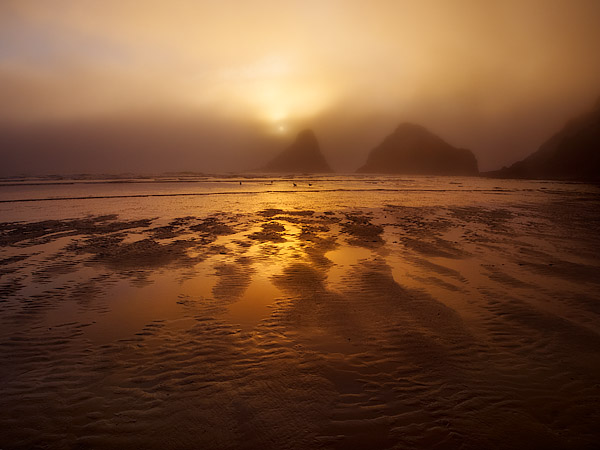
{"x":291,"y":191}
{"x":233,"y":180}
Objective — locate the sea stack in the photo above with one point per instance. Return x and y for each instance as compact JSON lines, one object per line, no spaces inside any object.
{"x":571,"y":154}
{"x":303,"y":156}
{"x":412,"y":149}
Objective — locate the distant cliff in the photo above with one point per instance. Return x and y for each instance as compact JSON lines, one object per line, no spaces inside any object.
{"x":571,"y":154}
{"x":303,"y":156}
{"x":411,"y":149}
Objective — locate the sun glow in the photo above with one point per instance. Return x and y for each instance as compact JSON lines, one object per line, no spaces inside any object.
{"x":287,"y":100}
{"x":275,"y":91}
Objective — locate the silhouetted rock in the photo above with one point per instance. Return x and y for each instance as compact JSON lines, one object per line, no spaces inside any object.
{"x":303,"y":156}
{"x":411,"y":149}
{"x":571,"y":154}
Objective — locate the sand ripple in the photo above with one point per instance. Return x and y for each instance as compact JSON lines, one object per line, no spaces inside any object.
{"x":398,"y":327}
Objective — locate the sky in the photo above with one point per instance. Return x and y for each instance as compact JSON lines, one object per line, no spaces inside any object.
{"x":223,"y":85}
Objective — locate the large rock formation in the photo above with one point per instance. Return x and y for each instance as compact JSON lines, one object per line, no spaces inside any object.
{"x":571,"y":154}
{"x":303,"y":156}
{"x":411,"y":149}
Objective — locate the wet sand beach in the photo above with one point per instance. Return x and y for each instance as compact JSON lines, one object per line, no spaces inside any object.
{"x":355,"y":314}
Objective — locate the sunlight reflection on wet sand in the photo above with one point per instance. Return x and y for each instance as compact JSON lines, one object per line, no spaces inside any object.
{"x":407,"y":325}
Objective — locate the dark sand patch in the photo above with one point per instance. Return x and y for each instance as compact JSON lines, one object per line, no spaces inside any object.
{"x":143,"y":254}
{"x":212,"y":226}
{"x":435,"y":247}
{"x":497,"y":219}
{"x":272,"y":212}
{"x":35,"y":233}
{"x":9,"y":287}
{"x":362,"y":231}
{"x":270,"y":232}
{"x":577,"y":273}
{"x":10,"y":264}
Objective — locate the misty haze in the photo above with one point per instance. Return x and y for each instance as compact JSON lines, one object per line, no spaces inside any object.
{"x":301,"y":225}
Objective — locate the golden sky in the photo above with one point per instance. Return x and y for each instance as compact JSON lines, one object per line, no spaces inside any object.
{"x":494,"y":76}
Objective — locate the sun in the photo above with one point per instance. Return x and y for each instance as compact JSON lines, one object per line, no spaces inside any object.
{"x":278,"y":128}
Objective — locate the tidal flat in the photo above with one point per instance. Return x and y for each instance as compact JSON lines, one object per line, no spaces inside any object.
{"x":304,"y":313}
